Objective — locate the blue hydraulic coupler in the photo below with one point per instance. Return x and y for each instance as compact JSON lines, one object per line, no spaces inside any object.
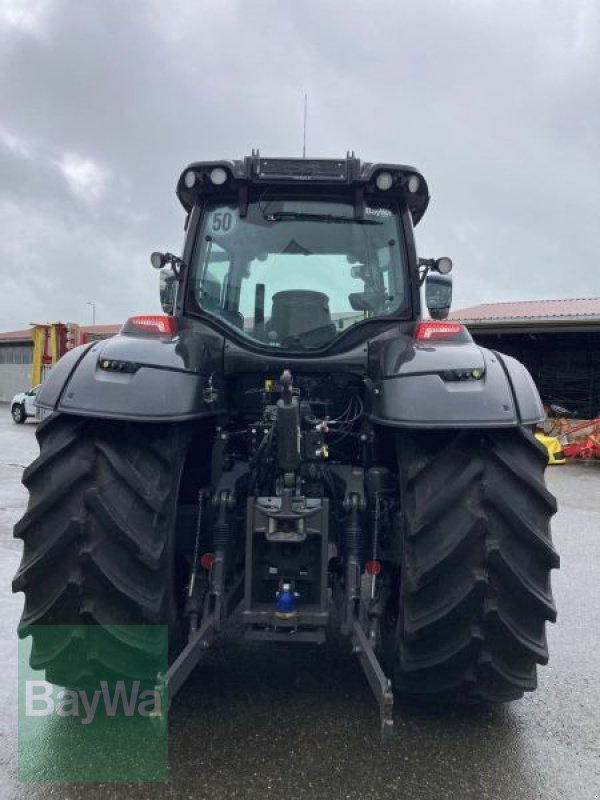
{"x":285,"y":607}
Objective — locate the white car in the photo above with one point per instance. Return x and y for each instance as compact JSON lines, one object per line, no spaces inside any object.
{"x":22,"y":405}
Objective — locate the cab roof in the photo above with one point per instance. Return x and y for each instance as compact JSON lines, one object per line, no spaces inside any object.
{"x":345,"y":175}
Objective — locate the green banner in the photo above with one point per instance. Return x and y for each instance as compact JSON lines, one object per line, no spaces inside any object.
{"x":109,"y":722}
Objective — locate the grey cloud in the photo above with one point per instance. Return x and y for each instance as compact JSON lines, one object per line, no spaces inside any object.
{"x":497,"y":103}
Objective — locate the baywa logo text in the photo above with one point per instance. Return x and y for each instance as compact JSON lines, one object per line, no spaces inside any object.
{"x":43,"y":699}
{"x":108,"y":711}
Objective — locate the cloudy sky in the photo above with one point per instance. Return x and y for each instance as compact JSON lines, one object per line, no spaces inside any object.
{"x":103,"y":102}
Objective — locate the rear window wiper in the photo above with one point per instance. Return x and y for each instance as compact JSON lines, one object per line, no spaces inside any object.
{"x":280,"y":216}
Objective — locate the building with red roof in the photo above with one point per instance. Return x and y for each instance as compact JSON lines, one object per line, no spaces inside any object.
{"x":561,"y":314}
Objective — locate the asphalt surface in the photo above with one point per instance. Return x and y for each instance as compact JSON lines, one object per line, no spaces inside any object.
{"x":260,"y":721}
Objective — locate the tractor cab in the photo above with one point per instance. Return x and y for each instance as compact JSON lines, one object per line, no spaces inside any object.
{"x":292,"y":253}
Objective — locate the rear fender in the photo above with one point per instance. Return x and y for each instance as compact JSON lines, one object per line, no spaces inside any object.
{"x":452,"y":385}
{"x":139,"y":378}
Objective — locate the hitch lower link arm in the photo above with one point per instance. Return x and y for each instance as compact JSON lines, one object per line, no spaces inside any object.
{"x":362,"y":645}
{"x":217,"y":604}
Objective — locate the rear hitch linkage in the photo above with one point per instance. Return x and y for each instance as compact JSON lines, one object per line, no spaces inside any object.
{"x":282,"y":521}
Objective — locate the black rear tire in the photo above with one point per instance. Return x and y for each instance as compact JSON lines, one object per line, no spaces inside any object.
{"x":474,"y":591}
{"x":18,"y":413}
{"x":98,"y":547}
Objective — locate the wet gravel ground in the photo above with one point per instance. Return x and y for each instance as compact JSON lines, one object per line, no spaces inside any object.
{"x":259,"y":721}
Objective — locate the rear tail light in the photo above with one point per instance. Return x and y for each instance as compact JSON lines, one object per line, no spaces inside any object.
{"x":150,"y":324}
{"x":429,"y":330}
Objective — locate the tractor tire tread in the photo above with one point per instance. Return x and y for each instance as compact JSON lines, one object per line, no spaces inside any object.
{"x":475,"y":586}
{"x":96,"y":537}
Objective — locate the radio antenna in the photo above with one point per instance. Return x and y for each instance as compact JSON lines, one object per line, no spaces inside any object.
{"x":304,"y":138}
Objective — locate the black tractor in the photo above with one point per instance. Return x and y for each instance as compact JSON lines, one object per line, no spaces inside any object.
{"x":294,"y":443}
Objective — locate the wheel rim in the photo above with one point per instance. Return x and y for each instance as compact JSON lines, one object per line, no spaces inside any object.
{"x":17,"y":414}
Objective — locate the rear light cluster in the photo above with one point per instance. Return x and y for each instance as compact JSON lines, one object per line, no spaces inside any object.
{"x":156,"y":324}
{"x":432,"y":330}
{"x":474,"y":374}
{"x":112,"y":365}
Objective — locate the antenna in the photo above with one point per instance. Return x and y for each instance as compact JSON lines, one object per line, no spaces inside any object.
{"x":304,"y":139}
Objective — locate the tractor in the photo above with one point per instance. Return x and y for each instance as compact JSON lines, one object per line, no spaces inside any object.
{"x":295,"y":442}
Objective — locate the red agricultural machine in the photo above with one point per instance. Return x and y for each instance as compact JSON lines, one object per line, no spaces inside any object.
{"x":586,"y":446}
{"x":580,"y":439}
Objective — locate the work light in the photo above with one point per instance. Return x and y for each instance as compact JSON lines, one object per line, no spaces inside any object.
{"x":189,"y":179}
{"x":384,"y":181}
{"x":218,"y":176}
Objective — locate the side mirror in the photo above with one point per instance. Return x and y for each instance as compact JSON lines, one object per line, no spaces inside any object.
{"x":168,"y":289}
{"x":438,"y":295}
